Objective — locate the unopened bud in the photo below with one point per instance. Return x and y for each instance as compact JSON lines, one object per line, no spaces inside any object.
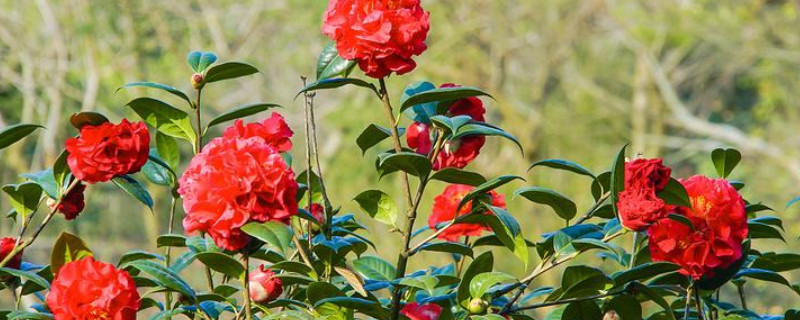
{"x":197,"y":81}
{"x":477,"y":306}
{"x":611,"y":315}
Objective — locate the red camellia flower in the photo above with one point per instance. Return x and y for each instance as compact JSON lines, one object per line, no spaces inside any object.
{"x":720,"y":225}
{"x":273,"y":130}
{"x":88,"y":289}
{"x":415,"y":311}
{"x":73,"y":202}
{"x":444,"y":210}
{"x":108,"y":150}
{"x":6,"y":246}
{"x":234,"y":181}
{"x":457,"y":153}
{"x":381,"y":35}
{"x":318,"y":212}
{"x":264,"y":286}
{"x":639,"y":205}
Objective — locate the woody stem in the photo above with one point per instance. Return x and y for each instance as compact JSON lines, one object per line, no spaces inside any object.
{"x":246,"y":284}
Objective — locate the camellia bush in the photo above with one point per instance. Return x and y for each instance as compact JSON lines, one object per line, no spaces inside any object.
{"x":274,"y":246}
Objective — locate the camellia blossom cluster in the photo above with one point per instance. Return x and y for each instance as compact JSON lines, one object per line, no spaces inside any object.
{"x":456,"y":153}
{"x":89,"y":289}
{"x":238,"y":178}
{"x":714,"y":241}
{"x":639,"y":205}
{"x":381,"y":35}
{"x":444,"y":210}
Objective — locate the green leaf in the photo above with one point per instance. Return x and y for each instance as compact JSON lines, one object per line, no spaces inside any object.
{"x":20,"y":315}
{"x":427,"y":283}
{"x":483,"y":263}
{"x":228,"y":70}
{"x":374,"y":268}
{"x":682,"y":219}
{"x":26,"y":275}
{"x":134,"y":189}
{"x":14,"y":133}
{"x":617,"y":183}
{"x":758,"y":230}
{"x":273,"y":233}
{"x":778,"y":262}
{"x":441,"y":95}
{"x":563,"y":165}
{"x":420,"y":112}
{"x":563,"y":206}
{"x":626,"y":306}
{"x":46,"y":180}
{"x":582,"y":281}
{"x":296,"y":267}
{"x":450,"y":124}
{"x":725,"y":160}
{"x":199,"y":61}
{"x":157,"y":171}
{"x":368,"y":307}
{"x":168,"y":149}
{"x":654,"y":296}
{"x":163,"y":87}
{"x":164,"y":117}
{"x":335,"y":83}
{"x":317,"y":291}
{"x":61,"y":170}
{"x":138,"y":255}
{"x":643,"y":272}
{"x":763,"y":275}
{"x":164,"y":276}
{"x":241,"y":112}
{"x":486,"y":187}
{"x":221,"y":263}
{"x":87,"y":118}
{"x":171,"y":240}
{"x":582,"y":310}
{"x":67,"y":248}
{"x":330,"y":64}
{"x":449,"y":247}
{"x":458,"y":176}
{"x":484,"y":281}
{"x":484,"y":129}
{"x":373,"y":135}
{"x":412,"y":163}
{"x":793,"y":201}
{"x":24,"y":197}
{"x":378,"y":205}
{"x":675,"y":194}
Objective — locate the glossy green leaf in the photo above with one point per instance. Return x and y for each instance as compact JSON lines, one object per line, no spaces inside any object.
{"x":26,"y":275}
{"x":441,"y":95}
{"x":763,"y":275}
{"x":273,"y":233}
{"x":163,"y":87}
{"x":221,"y":263}
{"x":157,"y":171}
{"x":725,"y":160}
{"x":46,"y":180}
{"x":655,"y":297}
{"x":24,"y":197}
{"x":458,"y":176}
{"x":675,"y":194}
{"x":412,"y":163}
{"x":336,"y":83}
{"x":374,"y":268}
{"x":563,"y":165}
{"x":317,"y":291}
{"x":199,"y":61}
{"x":481,"y":283}
{"x":617,"y":182}
{"x":168,"y":149}
{"x":484,"y":129}
{"x":368,"y":307}
{"x":778,"y":262}
{"x":164,"y":117}
{"x":80,"y":119}
{"x":378,"y":205}
{"x":67,"y":248}
{"x":373,"y":135}
{"x":582,"y":281}
{"x":241,"y":112}
{"x":14,"y":133}
{"x":449,"y":247}
{"x":171,"y":240}
{"x":643,"y":272}
{"x":582,"y":310}
{"x":228,"y":70}
{"x":138,"y":255}
{"x":330,"y":64}
{"x":134,"y":189}
{"x":164,"y":276}
{"x":486,"y":187}
{"x":483,"y":263}
{"x":61,"y":170}
{"x":563,"y":206}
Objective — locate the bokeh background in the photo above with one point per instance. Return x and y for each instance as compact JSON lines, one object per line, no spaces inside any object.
{"x":574,"y":79}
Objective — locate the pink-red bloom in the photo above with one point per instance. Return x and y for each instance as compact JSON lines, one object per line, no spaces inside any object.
{"x":444,"y":210}
{"x":274,"y":130}
{"x":714,"y":241}
{"x":381,"y":35}
{"x":639,"y":205}
{"x":415,"y":311}
{"x":88,"y":289}
{"x":73,"y":202}
{"x":233,"y":181}
{"x":264,"y":286}
{"x":108,"y":150}
{"x":455,"y":153}
{"x":6,"y":246}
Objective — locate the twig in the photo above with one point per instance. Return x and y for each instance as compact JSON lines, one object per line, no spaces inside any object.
{"x":566,"y":301}
{"x":246,"y":284}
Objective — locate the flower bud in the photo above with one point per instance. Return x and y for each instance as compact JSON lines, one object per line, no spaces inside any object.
{"x":611,"y":315}
{"x":72,"y":204}
{"x":197,"y":81}
{"x":264,"y":286}
{"x":477,"y":306}
{"x":6,"y":246}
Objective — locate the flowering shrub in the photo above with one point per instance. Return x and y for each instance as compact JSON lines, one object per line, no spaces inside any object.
{"x":275,"y":246}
